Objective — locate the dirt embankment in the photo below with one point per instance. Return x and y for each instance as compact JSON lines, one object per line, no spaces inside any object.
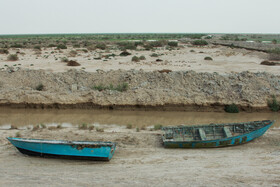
{"x":181,"y":90}
{"x":264,"y":47}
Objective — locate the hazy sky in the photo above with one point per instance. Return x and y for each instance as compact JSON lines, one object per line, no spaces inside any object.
{"x":130,"y":16}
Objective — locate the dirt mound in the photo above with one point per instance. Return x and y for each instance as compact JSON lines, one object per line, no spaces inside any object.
{"x":73,"y":63}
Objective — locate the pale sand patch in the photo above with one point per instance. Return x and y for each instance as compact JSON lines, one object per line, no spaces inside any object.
{"x":140,"y":160}
{"x":225,"y":60}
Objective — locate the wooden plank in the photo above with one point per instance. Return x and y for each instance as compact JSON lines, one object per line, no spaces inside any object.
{"x":202,"y":134}
{"x":227,"y":132}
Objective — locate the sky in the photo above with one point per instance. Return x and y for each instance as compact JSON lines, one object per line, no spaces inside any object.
{"x":139,"y":16}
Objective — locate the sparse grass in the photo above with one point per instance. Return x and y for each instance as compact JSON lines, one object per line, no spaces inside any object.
{"x":273,"y":104}
{"x":208,"y":58}
{"x":157,"y":127}
{"x":12,"y":57}
{"x":137,"y":129}
{"x":233,"y":108}
{"x":39,"y":87}
{"x":129,"y":126}
{"x":121,"y":87}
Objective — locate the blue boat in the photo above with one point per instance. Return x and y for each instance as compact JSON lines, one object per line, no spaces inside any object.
{"x":99,"y":151}
{"x":214,"y":135}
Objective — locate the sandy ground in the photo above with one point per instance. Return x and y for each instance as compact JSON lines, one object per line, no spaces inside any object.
{"x":225,"y":60}
{"x":140,"y":160}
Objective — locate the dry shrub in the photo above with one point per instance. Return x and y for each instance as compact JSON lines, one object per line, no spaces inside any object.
{"x":268,"y":63}
{"x":165,"y":71}
{"x":12,"y":57}
{"x":52,"y":128}
{"x":274,"y":54}
{"x":125,"y":53}
{"x":73,"y":63}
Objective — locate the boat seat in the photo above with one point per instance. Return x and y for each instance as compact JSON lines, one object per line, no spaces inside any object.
{"x":227,"y":132}
{"x":202,"y":134}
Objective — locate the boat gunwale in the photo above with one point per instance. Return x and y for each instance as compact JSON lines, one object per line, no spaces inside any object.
{"x":62,"y":142}
{"x":221,"y":139}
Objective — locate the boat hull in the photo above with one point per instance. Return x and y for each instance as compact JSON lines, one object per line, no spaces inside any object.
{"x":70,"y":150}
{"x":236,"y":140}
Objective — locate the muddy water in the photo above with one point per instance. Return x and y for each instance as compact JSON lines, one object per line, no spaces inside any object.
{"x":23,"y":117}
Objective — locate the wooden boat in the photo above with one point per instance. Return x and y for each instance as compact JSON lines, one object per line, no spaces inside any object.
{"x":100,"y":151}
{"x":213,"y":135}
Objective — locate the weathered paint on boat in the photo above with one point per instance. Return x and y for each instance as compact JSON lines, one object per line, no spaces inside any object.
{"x":222,"y":142}
{"x":102,"y":151}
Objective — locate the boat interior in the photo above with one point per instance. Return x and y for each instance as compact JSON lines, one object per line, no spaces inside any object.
{"x":211,"y":131}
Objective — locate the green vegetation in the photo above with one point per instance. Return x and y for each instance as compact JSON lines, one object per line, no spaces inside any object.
{"x":101,"y":46}
{"x":61,"y":46}
{"x":154,"y":55}
{"x":121,"y":87}
{"x":233,"y":108}
{"x":142,"y":58}
{"x":135,"y":59}
{"x":200,"y":42}
{"x":273,"y":104}
{"x":137,"y":129}
{"x":173,"y":44}
{"x":37,"y":47}
{"x":157,"y":127}
{"x":12,"y":57}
